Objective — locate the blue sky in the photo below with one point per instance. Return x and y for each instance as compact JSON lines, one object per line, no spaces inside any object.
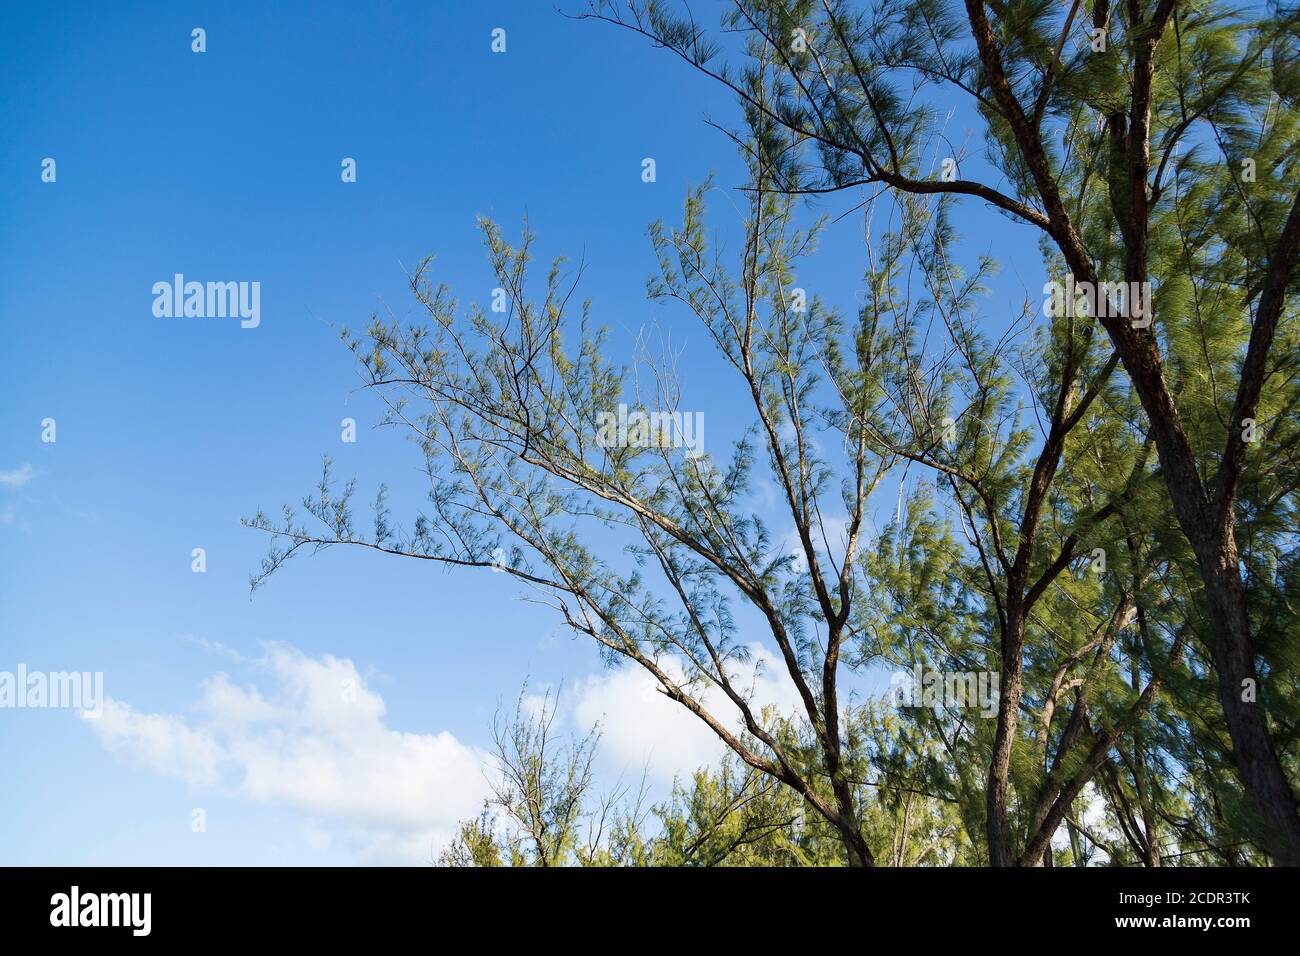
{"x":225,"y":166}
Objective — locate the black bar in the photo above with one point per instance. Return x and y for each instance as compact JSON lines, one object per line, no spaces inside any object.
{"x":333,"y":906}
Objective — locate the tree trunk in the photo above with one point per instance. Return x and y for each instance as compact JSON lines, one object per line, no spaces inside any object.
{"x":858,"y":852}
{"x":1009,"y":690}
{"x":1234,"y":658}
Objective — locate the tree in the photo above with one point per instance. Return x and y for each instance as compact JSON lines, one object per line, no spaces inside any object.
{"x":513,"y":429}
{"x":1057,"y":540}
{"x":543,"y":812}
{"x":542,"y":789}
{"x":1151,"y":144}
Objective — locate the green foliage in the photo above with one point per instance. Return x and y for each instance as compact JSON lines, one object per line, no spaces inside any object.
{"x":1072,"y":496}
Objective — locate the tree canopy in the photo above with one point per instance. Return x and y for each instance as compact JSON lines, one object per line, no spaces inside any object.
{"x":1096,"y":492}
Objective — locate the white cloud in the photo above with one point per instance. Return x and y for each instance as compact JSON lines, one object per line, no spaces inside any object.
{"x":314,"y":740}
{"x":642,"y":728}
{"x":158,"y":742}
{"x":310,"y":735}
{"x":18,"y":477}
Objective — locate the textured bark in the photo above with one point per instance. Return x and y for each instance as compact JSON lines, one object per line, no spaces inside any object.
{"x":1252,"y":745}
{"x":1009,"y":691}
